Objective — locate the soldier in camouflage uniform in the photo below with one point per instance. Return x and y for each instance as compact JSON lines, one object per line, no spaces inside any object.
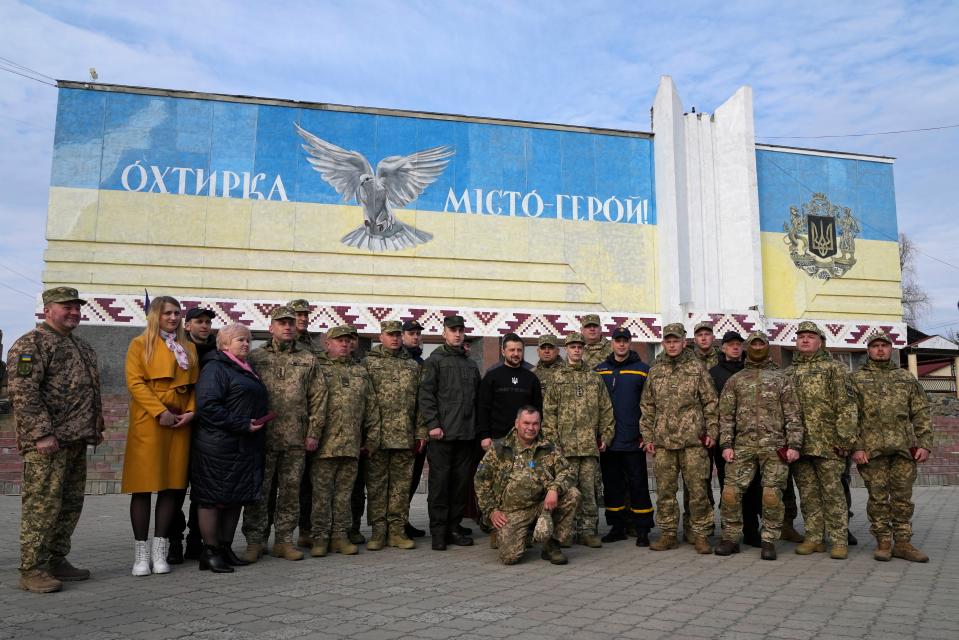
{"x":352,"y":421}
{"x":520,"y":477}
{"x":894,"y":434}
{"x":55,"y":390}
{"x":679,"y":422}
{"x":597,"y":347}
{"x":396,"y":379}
{"x":297,"y":395}
{"x":758,"y":417}
{"x":313,"y":344}
{"x":830,"y":431}
{"x":578,"y":418}
{"x":550,"y":362}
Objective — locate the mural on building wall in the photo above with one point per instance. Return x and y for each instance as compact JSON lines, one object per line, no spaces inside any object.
{"x":815,"y":245}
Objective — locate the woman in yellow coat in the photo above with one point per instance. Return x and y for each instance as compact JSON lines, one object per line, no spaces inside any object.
{"x":161,"y":371}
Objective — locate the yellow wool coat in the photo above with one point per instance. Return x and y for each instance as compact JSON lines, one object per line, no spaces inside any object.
{"x":157,"y":457}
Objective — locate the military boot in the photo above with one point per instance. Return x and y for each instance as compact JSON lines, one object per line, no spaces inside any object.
{"x":809,"y":547}
{"x":553,"y":552}
{"x":665,"y":542}
{"x":252,"y":553}
{"x":39,"y":581}
{"x":355,"y":536}
{"x":768,"y":552}
{"x":839,"y":552}
{"x":906,"y":551}
{"x":616,"y":533}
{"x":175,"y":553}
{"x":61,"y":569}
{"x":883,"y":552}
{"x":400,"y":540}
{"x":287,"y":551}
{"x":319,"y":547}
{"x":344,"y":546}
{"x":726,"y":548}
{"x":377,"y":540}
{"x":789,"y":533}
{"x":493,"y":540}
{"x":304,"y":540}
{"x":590,"y":540}
{"x":702,"y":545}
{"x":688,"y":536}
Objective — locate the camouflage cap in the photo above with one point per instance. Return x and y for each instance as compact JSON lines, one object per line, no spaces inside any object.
{"x":703,"y":325}
{"x":574,"y":336}
{"x":299,"y":305}
{"x":62,"y":294}
{"x":548,"y":339}
{"x":675,"y":329}
{"x":339,"y":331}
{"x":284,"y":311}
{"x":454,"y":321}
{"x":590,"y":318}
{"x":808,"y":326}
{"x":391,"y":326}
{"x":757,"y":335}
{"x":878,"y":334}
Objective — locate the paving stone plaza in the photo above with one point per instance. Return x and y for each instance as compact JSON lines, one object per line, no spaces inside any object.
{"x":619,"y":591}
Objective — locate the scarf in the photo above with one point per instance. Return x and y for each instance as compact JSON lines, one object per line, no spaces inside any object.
{"x":243,"y":364}
{"x":178,"y":351}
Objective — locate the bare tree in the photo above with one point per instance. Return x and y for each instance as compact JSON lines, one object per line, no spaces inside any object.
{"x":915,"y":300}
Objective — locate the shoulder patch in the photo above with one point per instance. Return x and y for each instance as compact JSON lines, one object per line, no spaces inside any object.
{"x":25,"y":365}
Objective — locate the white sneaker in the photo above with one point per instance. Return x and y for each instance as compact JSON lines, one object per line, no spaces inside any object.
{"x":141,"y":558}
{"x":161,"y":547}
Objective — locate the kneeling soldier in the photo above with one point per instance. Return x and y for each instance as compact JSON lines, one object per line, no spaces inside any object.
{"x":759,"y":417}
{"x":519,"y":478}
{"x":895,"y":434}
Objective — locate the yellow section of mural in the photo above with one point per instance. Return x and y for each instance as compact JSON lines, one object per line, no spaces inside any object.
{"x":871,"y":290}
{"x":121,"y":242}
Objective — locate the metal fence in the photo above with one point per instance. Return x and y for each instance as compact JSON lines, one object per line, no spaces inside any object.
{"x":938,"y":384}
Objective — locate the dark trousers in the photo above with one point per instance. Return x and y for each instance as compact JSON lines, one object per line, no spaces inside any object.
{"x":448,"y":483}
{"x":626,"y":489}
{"x":180,"y":523}
{"x":418,"y":461}
{"x":358,"y":497}
{"x":306,"y":494}
{"x":846,"y":478}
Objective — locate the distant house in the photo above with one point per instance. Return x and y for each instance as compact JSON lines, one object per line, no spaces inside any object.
{"x":934,"y":360}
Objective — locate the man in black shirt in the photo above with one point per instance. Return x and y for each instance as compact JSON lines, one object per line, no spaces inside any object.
{"x":503,"y":391}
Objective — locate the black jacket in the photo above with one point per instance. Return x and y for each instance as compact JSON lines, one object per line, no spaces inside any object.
{"x":203,"y":348}
{"x":416,"y":353}
{"x":502,"y":392}
{"x":226,"y":461}
{"x":624,"y":381}
{"x":725,"y":370}
{"x":448,"y":392}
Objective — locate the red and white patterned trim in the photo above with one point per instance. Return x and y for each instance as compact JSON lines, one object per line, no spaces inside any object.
{"x":840,"y":334}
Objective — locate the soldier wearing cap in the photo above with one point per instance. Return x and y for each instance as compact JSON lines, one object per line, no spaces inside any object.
{"x":679,"y":422}
{"x":578,"y":418}
{"x":759,"y":425}
{"x":413,"y":345}
{"x":396,"y":378}
{"x":352,"y":423}
{"x":703,"y":345}
{"x":830,"y":431}
{"x":550,"y":362}
{"x":298,"y":397}
{"x":313,"y":344}
{"x":447,"y":407}
{"x":895,"y":433}
{"x":55,"y":390}
{"x":597,"y":347}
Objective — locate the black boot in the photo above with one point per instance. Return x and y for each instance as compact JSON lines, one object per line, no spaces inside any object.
{"x":211,"y":560}
{"x":752,"y":538}
{"x":194,"y":547}
{"x":851,"y":539}
{"x":413,"y":532}
{"x":226,"y":552}
{"x":768,"y":552}
{"x":642,"y":537}
{"x":174,"y":554}
{"x":616,"y":533}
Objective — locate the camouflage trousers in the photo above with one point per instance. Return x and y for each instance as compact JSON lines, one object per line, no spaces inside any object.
{"x":821,"y":498}
{"x":889,"y":480}
{"x":511,"y":538}
{"x":282,"y":472}
{"x":693,"y":464}
{"x":387,"y":487}
{"x":51,"y":496}
{"x":332,"y":480}
{"x":739,"y":474}
{"x":585,"y":478}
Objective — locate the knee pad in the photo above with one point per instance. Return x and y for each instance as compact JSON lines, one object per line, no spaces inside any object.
{"x":770,"y":499}
{"x":729,"y":494}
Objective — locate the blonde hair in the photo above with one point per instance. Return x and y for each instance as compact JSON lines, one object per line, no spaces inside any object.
{"x":152,"y":331}
{"x":230,"y":331}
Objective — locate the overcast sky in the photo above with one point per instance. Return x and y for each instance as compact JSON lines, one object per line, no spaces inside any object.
{"x":818,"y":68}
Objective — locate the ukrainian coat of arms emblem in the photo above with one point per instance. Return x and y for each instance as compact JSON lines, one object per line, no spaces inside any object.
{"x":822,"y":239}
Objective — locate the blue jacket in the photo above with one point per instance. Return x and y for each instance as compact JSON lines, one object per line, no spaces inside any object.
{"x":624,"y":381}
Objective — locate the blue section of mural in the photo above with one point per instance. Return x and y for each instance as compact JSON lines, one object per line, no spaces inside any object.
{"x":789,"y":180}
{"x":142,"y":143}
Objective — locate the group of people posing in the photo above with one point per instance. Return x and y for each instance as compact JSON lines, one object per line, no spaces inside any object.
{"x":300,"y":433}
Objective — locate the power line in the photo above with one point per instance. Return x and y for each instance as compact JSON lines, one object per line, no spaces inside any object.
{"x":27,"y":69}
{"x":23,"y":293}
{"x":29,"y":124}
{"x":860,"y":135}
{"x":22,"y":275}
{"x":23,"y":75}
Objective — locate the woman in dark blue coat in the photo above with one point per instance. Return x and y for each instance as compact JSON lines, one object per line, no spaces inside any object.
{"x":226,"y":462}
